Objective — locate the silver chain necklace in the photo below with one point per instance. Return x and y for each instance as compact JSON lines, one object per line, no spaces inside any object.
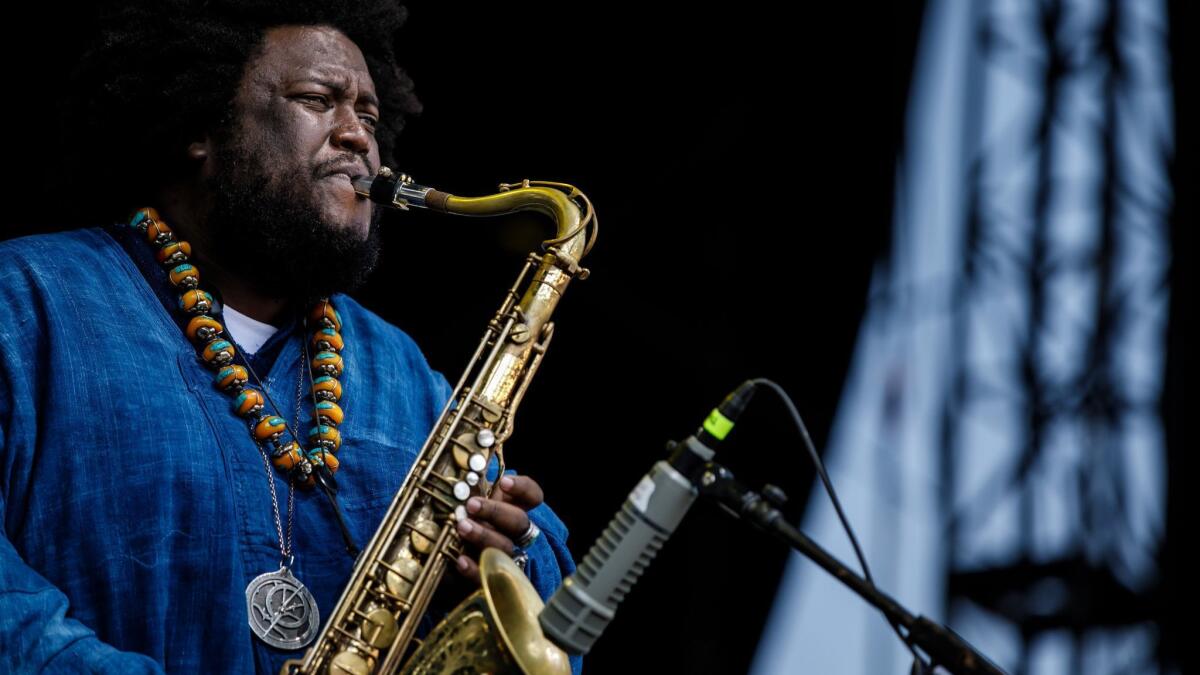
{"x":282,"y":612}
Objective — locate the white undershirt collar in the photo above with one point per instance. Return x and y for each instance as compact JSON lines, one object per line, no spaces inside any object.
{"x":249,"y":333}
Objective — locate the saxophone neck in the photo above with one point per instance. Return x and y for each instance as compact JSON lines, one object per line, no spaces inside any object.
{"x":569,"y":208}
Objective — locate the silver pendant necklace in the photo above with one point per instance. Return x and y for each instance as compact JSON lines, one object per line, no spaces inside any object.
{"x":281,"y":611}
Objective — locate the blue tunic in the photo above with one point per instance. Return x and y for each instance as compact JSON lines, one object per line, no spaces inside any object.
{"x":134,"y":507}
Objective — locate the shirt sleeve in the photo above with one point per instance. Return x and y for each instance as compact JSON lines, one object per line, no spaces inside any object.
{"x":549,"y":561}
{"x":36,"y":635}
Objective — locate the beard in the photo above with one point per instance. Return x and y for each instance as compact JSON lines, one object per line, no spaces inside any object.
{"x":268,"y":229}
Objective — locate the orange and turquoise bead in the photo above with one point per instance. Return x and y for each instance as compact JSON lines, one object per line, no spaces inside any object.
{"x":269,"y":428}
{"x":327,"y":340}
{"x":173,"y":253}
{"x":249,"y":402}
{"x":327,"y":388}
{"x":325,"y":316}
{"x":203,"y":328}
{"x":142,"y":217}
{"x":184,"y":276}
{"x":157,"y":232}
{"x":325,"y":435}
{"x":329,"y":459}
{"x":218,"y":353}
{"x":329,"y":412}
{"x":232,"y":378}
{"x":195,"y":301}
{"x":285,"y":457}
{"x":327,"y":363}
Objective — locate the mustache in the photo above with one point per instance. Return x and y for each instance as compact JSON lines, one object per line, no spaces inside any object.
{"x":353,"y":164}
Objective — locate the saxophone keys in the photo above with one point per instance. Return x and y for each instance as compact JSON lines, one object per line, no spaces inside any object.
{"x":477,"y":463}
{"x":351,"y":662}
{"x":472,"y":478}
{"x":462,"y":491}
{"x":466,"y":449}
{"x":424,"y":532}
{"x":462,"y":457}
{"x":401,"y":573}
{"x":379,"y":628}
{"x":486,"y":438}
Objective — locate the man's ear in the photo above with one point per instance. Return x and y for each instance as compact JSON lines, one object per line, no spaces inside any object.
{"x":202,"y":155}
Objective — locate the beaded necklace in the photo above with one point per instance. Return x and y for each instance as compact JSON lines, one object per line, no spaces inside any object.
{"x":282,"y":612}
{"x":216,"y":350}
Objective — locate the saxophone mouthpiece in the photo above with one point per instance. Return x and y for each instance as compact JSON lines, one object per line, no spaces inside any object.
{"x":396,"y":190}
{"x":362,"y":185}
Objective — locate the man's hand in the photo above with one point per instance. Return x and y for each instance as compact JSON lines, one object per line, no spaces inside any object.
{"x":497,"y":522}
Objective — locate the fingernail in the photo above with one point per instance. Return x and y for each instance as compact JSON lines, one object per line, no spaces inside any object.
{"x":462,"y":563}
{"x":506,"y":482}
{"x":473,"y":504}
{"x":465,"y":527}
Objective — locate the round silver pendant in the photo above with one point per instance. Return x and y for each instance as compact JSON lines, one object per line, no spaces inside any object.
{"x":282,"y":612}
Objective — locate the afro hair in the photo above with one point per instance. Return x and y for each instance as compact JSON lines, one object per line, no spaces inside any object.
{"x":164,"y":72}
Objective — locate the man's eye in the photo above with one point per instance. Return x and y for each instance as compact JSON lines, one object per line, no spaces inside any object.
{"x":315,"y":98}
{"x":369,"y":121}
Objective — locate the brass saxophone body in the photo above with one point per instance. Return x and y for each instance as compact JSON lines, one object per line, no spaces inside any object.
{"x":371,"y":630}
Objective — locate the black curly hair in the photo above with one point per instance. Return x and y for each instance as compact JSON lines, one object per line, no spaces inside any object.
{"x":163,"y":72}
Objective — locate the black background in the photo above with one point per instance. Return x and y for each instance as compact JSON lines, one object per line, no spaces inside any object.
{"x":741,"y":162}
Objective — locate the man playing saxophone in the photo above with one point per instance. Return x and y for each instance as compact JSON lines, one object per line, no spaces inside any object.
{"x":198,"y":428}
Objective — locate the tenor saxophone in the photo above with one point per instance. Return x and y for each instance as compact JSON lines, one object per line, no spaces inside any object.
{"x":371,"y":630}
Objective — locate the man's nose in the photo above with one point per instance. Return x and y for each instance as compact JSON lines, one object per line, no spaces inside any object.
{"x":350,"y":133}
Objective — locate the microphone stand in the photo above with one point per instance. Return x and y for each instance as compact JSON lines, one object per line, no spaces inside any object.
{"x":944,"y":646}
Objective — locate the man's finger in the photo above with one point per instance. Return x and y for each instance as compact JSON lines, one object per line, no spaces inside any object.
{"x":468,"y":568}
{"x":474,"y":533}
{"x":520,"y":490}
{"x":507,"y":518}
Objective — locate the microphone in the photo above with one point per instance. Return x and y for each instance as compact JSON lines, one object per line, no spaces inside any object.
{"x":583,"y":606}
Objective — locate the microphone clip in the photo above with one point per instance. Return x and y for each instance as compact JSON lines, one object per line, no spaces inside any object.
{"x":761,"y":509}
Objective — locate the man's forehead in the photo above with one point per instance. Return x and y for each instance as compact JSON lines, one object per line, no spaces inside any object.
{"x":311,"y":50}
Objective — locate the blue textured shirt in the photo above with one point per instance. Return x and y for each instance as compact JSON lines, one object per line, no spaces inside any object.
{"x":134,"y":507}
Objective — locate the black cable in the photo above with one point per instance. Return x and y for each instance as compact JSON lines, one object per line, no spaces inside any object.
{"x":325,"y":480}
{"x":837,"y":505}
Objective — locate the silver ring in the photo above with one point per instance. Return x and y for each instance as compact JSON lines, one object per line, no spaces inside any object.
{"x":530,"y":534}
{"x":521,"y":558}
